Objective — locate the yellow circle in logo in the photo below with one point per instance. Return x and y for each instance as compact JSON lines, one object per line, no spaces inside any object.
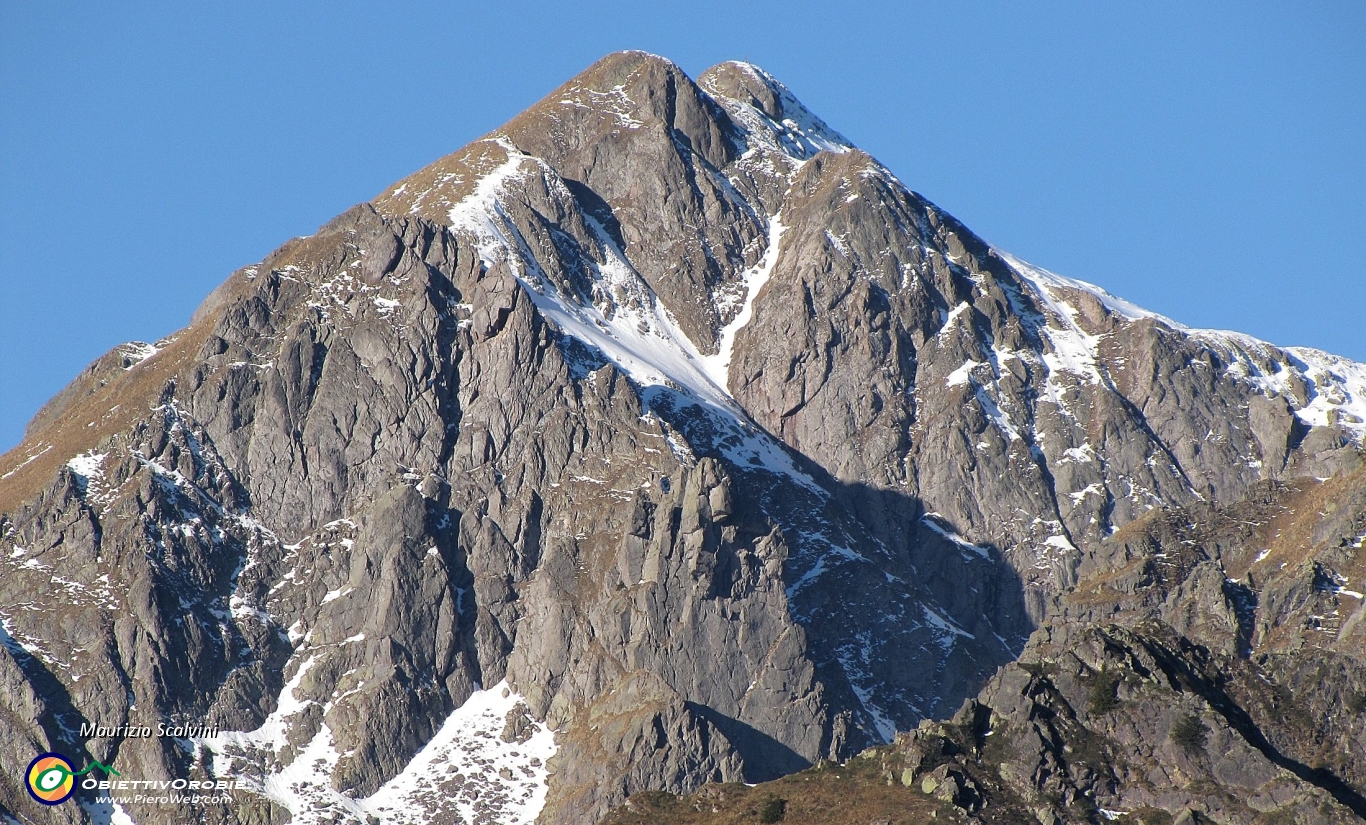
{"x":50,"y":779}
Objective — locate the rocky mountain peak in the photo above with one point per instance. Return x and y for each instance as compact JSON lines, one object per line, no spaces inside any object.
{"x":745,"y":84}
{"x":746,"y":90}
{"x":612,"y":137}
{"x":659,"y":437}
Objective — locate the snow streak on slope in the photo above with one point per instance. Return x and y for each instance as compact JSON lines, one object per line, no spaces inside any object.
{"x":636,"y":332}
{"x":625,"y":320}
{"x":1045,"y":281}
{"x":717,"y":367}
{"x":304,"y":785}
{"x":967,"y":547}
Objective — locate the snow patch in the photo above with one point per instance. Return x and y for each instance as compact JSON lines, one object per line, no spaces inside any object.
{"x":1085,"y":454}
{"x":1060,"y":543}
{"x":963,"y":374}
{"x":105,"y":813}
{"x":87,"y":467}
{"x":993,"y":411}
{"x":1337,"y":390}
{"x":1339,"y":587}
{"x":1072,"y":349}
{"x":17,"y":644}
{"x":618,"y":104}
{"x":948,"y":628}
{"x":466,"y":773}
{"x":1322,"y":389}
{"x":333,"y":595}
{"x":468,"y":770}
{"x":271,"y":734}
{"x":137,"y":351}
{"x":838,"y":553}
{"x":1090,"y":489}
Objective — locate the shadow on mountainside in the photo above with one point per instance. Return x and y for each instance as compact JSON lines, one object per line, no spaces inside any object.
{"x":904,"y":621}
{"x":765,"y":757}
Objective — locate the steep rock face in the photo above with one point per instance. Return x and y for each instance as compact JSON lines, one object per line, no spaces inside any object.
{"x":661,"y":418}
{"x":1206,"y":668}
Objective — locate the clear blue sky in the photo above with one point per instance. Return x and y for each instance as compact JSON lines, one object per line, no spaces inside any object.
{"x":1205,"y":160}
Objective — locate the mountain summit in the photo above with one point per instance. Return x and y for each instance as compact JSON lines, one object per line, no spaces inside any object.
{"x":658,"y":438}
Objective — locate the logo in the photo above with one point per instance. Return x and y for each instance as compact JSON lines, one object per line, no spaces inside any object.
{"x":51,"y":779}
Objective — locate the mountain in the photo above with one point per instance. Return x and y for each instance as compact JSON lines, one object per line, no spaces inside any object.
{"x":659,"y":438}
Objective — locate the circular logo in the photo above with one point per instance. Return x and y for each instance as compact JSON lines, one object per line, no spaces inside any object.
{"x":50,"y":779}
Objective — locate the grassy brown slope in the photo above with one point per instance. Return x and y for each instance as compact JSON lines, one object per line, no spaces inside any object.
{"x":107,"y":399}
{"x":84,"y":424}
{"x":856,"y":792}
{"x":866,"y":790}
